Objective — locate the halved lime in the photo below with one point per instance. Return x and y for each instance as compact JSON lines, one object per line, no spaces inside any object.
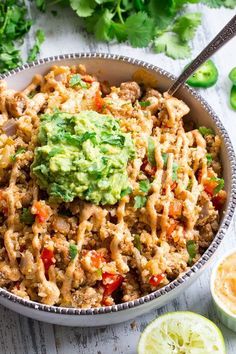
{"x":181,"y":333}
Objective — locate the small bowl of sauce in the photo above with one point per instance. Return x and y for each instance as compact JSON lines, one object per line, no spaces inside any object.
{"x":223,"y":289}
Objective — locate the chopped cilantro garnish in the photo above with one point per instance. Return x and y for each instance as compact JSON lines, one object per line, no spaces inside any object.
{"x":192,"y":251}
{"x":220,"y":184}
{"x":126,"y":192}
{"x":140,"y":201}
{"x":73,"y":250}
{"x":76,"y":80}
{"x":144,"y":185}
{"x":18,"y":152}
{"x":99,"y":272}
{"x":26,"y":217}
{"x":209,"y":158}
{"x":144,"y":103}
{"x":206,"y":131}
{"x":151,"y":152}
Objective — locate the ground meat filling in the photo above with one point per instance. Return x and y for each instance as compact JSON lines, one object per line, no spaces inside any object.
{"x":82,"y":254}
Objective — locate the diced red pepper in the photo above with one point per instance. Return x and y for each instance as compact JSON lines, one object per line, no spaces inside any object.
{"x":171,"y":228}
{"x":155,"y":280}
{"x":97,"y":259}
{"x":98,"y":101}
{"x":47,"y":257}
{"x":41,"y":210}
{"x":111,"y":282}
{"x":88,"y":78}
{"x":175,"y":210}
{"x":209,"y":186}
{"x":219,"y":200}
{"x":147,"y":168}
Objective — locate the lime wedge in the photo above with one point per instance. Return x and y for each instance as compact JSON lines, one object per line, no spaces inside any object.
{"x":181,"y":333}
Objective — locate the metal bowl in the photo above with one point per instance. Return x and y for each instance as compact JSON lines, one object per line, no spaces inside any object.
{"x":116,"y":69}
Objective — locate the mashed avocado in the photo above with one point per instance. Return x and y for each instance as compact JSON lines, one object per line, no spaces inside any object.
{"x":82,"y":155}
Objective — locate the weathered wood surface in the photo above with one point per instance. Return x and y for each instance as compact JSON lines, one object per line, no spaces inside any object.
{"x":20,"y":335}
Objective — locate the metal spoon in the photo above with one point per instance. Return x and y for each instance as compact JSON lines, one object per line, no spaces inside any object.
{"x":227,"y":33}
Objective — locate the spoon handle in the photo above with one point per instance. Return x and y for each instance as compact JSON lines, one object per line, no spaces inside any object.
{"x":227,"y":33}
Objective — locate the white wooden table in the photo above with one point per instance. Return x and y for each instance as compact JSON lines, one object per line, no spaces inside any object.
{"x":20,"y":335}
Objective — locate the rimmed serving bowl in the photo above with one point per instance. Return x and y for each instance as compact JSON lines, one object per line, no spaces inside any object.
{"x":116,"y":69}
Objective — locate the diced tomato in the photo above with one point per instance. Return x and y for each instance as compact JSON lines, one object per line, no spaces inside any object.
{"x":42,"y":211}
{"x":155,"y":280}
{"x":88,"y":78}
{"x":98,"y":101}
{"x":219,"y":200}
{"x":47,"y":257}
{"x":171,"y":228}
{"x":147,"y":168}
{"x":111,"y":282}
{"x":209,"y":186}
{"x":175,"y":210}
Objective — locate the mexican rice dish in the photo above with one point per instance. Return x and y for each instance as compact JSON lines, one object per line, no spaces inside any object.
{"x":106,"y":193}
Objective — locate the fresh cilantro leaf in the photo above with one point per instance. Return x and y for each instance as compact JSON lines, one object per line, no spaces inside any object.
{"x":18,"y":152}
{"x":137,"y":242}
{"x":175,"y":168}
{"x":219,"y":3}
{"x":209,"y":158}
{"x":73,"y":250}
{"x":103,"y":27}
{"x":192,"y":251}
{"x":170,"y":44}
{"x":26,"y":217}
{"x":39,"y":39}
{"x":83,"y":8}
{"x":220,"y":184}
{"x":206,"y":131}
{"x":151,"y":152}
{"x":76,"y":80}
{"x":186,"y":25}
{"x":140,"y":201}
{"x":144,"y":185}
{"x":126,"y":192}
{"x":140,"y":29}
{"x":41,"y":5}
{"x":144,"y":103}
{"x":111,"y":139}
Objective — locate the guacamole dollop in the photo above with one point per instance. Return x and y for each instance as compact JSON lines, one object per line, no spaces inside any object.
{"x":82,"y":155}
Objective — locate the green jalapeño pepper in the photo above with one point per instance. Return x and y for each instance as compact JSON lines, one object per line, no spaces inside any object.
{"x":233,"y":97}
{"x":205,"y":76}
{"x":232,"y":76}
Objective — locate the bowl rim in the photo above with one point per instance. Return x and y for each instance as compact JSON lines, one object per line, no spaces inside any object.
{"x":215,"y":297}
{"x":218,"y":237}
